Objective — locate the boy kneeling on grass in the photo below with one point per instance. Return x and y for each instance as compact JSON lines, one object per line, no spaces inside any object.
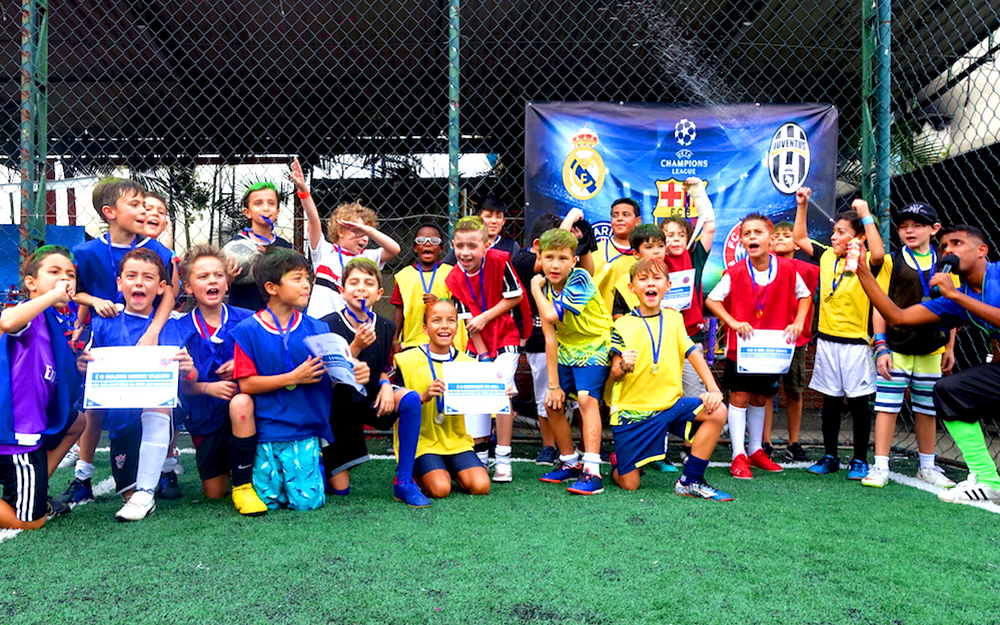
{"x":648,"y":349}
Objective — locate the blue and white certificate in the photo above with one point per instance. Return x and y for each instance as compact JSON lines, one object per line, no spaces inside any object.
{"x":766,"y":351}
{"x":131,"y":377}
{"x":336,"y":355}
{"x":475,"y":388}
{"x":681,"y":290}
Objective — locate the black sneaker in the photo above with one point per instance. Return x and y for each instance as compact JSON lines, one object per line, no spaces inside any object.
{"x":168,"y":487}
{"x":768,"y":449}
{"x":547,"y":456}
{"x":56,"y":508}
{"x":78,"y":491}
{"x":795,"y":453}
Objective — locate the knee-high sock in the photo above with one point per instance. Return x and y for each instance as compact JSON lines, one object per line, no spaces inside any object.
{"x":153,"y":449}
{"x":831,"y":423}
{"x":408,"y":432}
{"x":862,"y":415}
{"x":972,"y":444}
{"x":737,"y":429}
{"x":242,"y":452}
{"x":755,"y":427}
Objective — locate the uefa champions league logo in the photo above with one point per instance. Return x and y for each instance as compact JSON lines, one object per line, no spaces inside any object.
{"x":685,"y":131}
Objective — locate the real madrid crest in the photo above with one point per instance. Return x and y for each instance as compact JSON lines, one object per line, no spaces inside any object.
{"x":583,"y":171}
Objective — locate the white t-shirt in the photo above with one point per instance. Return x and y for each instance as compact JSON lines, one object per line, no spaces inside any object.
{"x":328,"y":265}
{"x":762,"y":278}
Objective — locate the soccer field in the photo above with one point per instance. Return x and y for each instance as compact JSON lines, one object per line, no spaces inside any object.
{"x":791,"y":548}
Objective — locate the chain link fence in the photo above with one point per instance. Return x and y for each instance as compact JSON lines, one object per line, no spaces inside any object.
{"x":199,"y":99}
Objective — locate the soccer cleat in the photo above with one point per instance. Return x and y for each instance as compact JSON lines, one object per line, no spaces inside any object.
{"x":168,"y":488}
{"x":876,"y":478}
{"x":826,"y":465}
{"x":562,"y":473}
{"x":795,"y":453}
{"x":760,"y":459}
{"x":664,"y":467}
{"x":78,"y":491}
{"x":857,"y":470}
{"x":740,"y":469}
{"x":935,"y":476}
{"x":56,"y":508}
{"x":70,"y":458}
{"x":503,"y":472}
{"x":139,"y":506}
{"x":768,"y":449}
{"x":701,"y":490}
{"x":246,"y":500}
{"x":408,"y":492}
{"x":547,"y":456}
{"x":588,"y":484}
{"x":969,"y":491}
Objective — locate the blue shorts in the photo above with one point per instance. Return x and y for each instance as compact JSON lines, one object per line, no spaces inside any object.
{"x":453,"y":464}
{"x":586,"y":378}
{"x":287,"y":474}
{"x":642,"y":442}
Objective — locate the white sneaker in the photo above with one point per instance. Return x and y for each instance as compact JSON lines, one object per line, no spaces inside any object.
{"x":69,"y":460}
{"x":969,"y":491}
{"x":502,"y":472}
{"x":139,"y":506}
{"x":935,"y":476}
{"x":876,"y":478}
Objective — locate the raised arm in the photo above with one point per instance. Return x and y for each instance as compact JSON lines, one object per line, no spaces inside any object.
{"x":315,"y":226}
{"x":800,"y":233}
{"x":875,"y":245}
{"x":695,"y":189}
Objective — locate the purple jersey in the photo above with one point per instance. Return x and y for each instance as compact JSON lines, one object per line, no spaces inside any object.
{"x":33,"y":374}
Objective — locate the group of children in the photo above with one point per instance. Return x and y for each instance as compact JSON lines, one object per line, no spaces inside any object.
{"x":617,"y":326}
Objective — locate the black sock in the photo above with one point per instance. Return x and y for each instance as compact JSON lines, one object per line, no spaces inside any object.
{"x":241,"y":458}
{"x":861,"y":412}
{"x":831,"y":423}
{"x":483,"y":446}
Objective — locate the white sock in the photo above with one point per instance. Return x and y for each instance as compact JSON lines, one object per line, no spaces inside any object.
{"x":755,"y":427}
{"x":170,"y":464}
{"x":152,"y":449}
{"x":484,"y":457}
{"x":502,"y":454}
{"x":592,"y":463}
{"x":882,"y":462}
{"x":572,"y":460}
{"x":737,"y":429}
{"x":927,"y":460}
{"x":84,"y":470}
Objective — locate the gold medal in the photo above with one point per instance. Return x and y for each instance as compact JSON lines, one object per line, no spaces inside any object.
{"x":439,"y":418}
{"x":760,"y":313}
{"x":655,"y":368}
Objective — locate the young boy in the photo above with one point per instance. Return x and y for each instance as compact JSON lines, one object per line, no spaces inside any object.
{"x":260,"y":206}
{"x":139,"y":438}
{"x":290,"y":388}
{"x":444,"y":450}
{"x":493,"y":212}
{"x":614,"y":256}
{"x":382,"y":406}
{"x":486,"y":289}
{"x":221,"y":446}
{"x":577,"y":338}
{"x":766,"y":293}
{"x":783,"y":245}
{"x":157,"y":219}
{"x":417,"y":286}
{"x":910,"y":358}
{"x":37,"y":361}
{"x":647,"y":348}
{"x":647,"y":241}
{"x":843,"y":364}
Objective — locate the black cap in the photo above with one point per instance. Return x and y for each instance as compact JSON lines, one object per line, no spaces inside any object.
{"x":918,"y":211}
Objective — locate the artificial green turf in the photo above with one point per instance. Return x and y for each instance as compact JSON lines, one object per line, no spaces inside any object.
{"x":792,"y":548}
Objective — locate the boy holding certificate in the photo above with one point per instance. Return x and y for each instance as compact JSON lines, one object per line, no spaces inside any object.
{"x":576,"y":327}
{"x":382,"y":405}
{"x":139,"y":438}
{"x":762,"y":292}
{"x":647,"y":348}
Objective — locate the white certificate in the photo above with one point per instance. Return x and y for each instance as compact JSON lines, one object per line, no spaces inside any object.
{"x":766,"y":351}
{"x":336,"y":355}
{"x":475,"y":388}
{"x":132,"y":377}
{"x":681,"y":290}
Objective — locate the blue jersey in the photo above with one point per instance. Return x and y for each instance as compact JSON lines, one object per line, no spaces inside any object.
{"x":953,"y":315}
{"x":97,"y":263}
{"x":205,"y":414}
{"x":287,"y":414}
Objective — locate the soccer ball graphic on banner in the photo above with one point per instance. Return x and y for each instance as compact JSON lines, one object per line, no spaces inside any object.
{"x":685,"y":132}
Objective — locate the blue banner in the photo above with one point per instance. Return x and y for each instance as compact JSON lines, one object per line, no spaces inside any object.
{"x":753,"y":158}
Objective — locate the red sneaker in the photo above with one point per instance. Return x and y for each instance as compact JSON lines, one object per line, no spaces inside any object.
{"x":740,"y":468}
{"x":761,"y":460}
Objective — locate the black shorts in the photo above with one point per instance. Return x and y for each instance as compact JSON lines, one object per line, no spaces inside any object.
{"x":125,"y":456}
{"x":349,"y":448}
{"x":211,"y":452}
{"x":795,"y":379}
{"x":453,"y":464}
{"x":756,"y":383}
{"x":25,"y":482}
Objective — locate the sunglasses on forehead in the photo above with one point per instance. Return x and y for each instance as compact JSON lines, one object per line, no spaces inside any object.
{"x":427,"y":241}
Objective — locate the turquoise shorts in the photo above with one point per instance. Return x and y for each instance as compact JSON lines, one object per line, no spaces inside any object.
{"x":286,"y":474}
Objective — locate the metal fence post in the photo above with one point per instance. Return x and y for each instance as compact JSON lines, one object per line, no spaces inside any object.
{"x":454,"y":80}
{"x":883,"y":115}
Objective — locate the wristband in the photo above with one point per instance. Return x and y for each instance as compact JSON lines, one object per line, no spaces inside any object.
{"x":302,"y":194}
{"x":883,"y":351}
{"x":867,"y":220}
{"x":880,"y":337}
{"x":382,"y":382}
{"x":555,"y":388}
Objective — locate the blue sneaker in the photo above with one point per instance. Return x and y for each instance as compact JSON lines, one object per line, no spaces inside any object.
{"x":858,"y":470}
{"x":827,"y":464}
{"x":562,"y":473}
{"x":664,"y":467}
{"x":409,"y":493}
{"x":588,"y":484}
{"x":168,"y":488}
{"x":701,"y":490}
{"x":547,"y":457}
{"x":77,"y":492}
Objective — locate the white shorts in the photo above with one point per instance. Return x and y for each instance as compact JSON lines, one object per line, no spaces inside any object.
{"x":843,"y":369}
{"x":478,"y":425}
{"x":539,"y":379}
